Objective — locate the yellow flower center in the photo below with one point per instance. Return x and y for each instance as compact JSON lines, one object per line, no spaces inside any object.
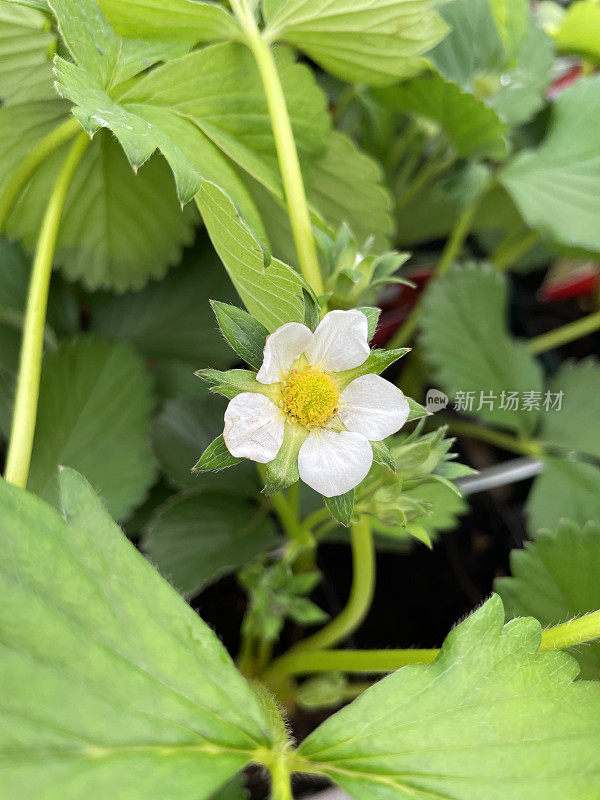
{"x":310,"y":396}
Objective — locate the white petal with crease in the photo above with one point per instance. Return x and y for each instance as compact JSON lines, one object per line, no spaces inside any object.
{"x":282,"y":348}
{"x":253,"y":427}
{"x":373,"y":407}
{"x":333,"y":463}
{"x":340,"y":341}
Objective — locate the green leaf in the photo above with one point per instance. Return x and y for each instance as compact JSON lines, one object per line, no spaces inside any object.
{"x":488,"y":714}
{"x":467,"y":343}
{"x":26,"y":45}
{"x":377,"y":362}
{"x":554,"y":579}
{"x":271,"y":292}
{"x":474,"y":56}
{"x":208,"y":114}
{"x":178,"y":20}
{"x":579,"y":31}
{"x":139,"y":694}
{"x":332,"y":33}
{"x":341,"y":507}
{"x":108,"y":234}
{"x":382,"y":455}
{"x":94,"y":415}
{"x":283,"y":470}
{"x":556,"y":186}
{"x":196,"y":539}
{"x":246,"y":335}
{"x":565,"y":489}
{"x":575,"y":425}
{"x":512,"y":23}
{"x":93,"y":44}
{"x":472,"y":127}
{"x":216,"y":457}
{"x":171,"y":319}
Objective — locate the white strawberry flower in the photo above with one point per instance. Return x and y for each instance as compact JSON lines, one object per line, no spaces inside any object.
{"x":306,"y":384}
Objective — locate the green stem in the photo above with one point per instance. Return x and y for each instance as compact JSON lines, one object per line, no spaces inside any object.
{"x":359,"y":602}
{"x":431,"y":169}
{"x":564,"y":334}
{"x":512,"y":249}
{"x":506,"y":441}
{"x":577,"y":631}
{"x":287,"y":153}
{"x":28,"y":382}
{"x":452,"y":248}
{"x":281,"y":780}
{"x":31,"y":162}
{"x":569,"y":634}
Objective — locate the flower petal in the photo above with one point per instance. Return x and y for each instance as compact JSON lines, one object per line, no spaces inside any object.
{"x":340,"y":341}
{"x":254,"y":427}
{"x":282,"y":348}
{"x":333,"y":463}
{"x":373,"y":407}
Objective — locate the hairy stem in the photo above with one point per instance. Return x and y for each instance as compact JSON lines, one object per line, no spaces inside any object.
{"x":28,"y":382}
{"x":564,"y":334}
{"x":359,"y":602}
{"x":31,"y":162}
{"x":577,"y":631}
{"x":287,"y":153}
{"x":281,"y":780}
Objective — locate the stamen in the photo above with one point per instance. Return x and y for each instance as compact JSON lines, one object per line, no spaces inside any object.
{"x":310,"y":397}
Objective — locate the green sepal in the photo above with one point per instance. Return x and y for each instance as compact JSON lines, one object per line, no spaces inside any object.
{"x":383,"y":455}
{"x":312,"y":309}
{"x":372,"y":314}
{"x":410,"y":457}
{"x":376,"y":363}
{"x":283,"y":470}
{"x":341,"y":507}
{"x":305,"y":612}
{"x":417,"y":411}
{"x":400,"y":531}
{"x":216,"y":457}
{"x":246,"y":335}
{"x":232,"y":382}
{"x":432,"y":478}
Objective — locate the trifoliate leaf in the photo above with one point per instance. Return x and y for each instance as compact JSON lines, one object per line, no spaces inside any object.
{"x":138,"y":693}
{"x":490,"y":718}
{"x":179,"y":21}
{"x":196,"y":539}
{"x":565,"y":489}
{"x":171,"y":319}
{"x":94,"y":415}
{"x":472,"y":127}
{"x":272,"y":293}
{"x":26,"y":46}
{"x":556,"y":186}
{"x":245,"y":334}
{"x":579,"y":31}
{"x":108,"y":235}
{"x":571,"y":421}
{"x":467,"y":343}
{"x":554,"y":579}
{"x":333,"y":35}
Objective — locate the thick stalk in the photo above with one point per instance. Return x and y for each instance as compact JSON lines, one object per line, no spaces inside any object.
{"x":31,"y":162}
{"x":564,"y":334}
{"x":28,"y":382}
{"x":577,"y":631}
{"x":359,"y":602}
{"x":287,"y":153}
{"x":281,"y":780}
